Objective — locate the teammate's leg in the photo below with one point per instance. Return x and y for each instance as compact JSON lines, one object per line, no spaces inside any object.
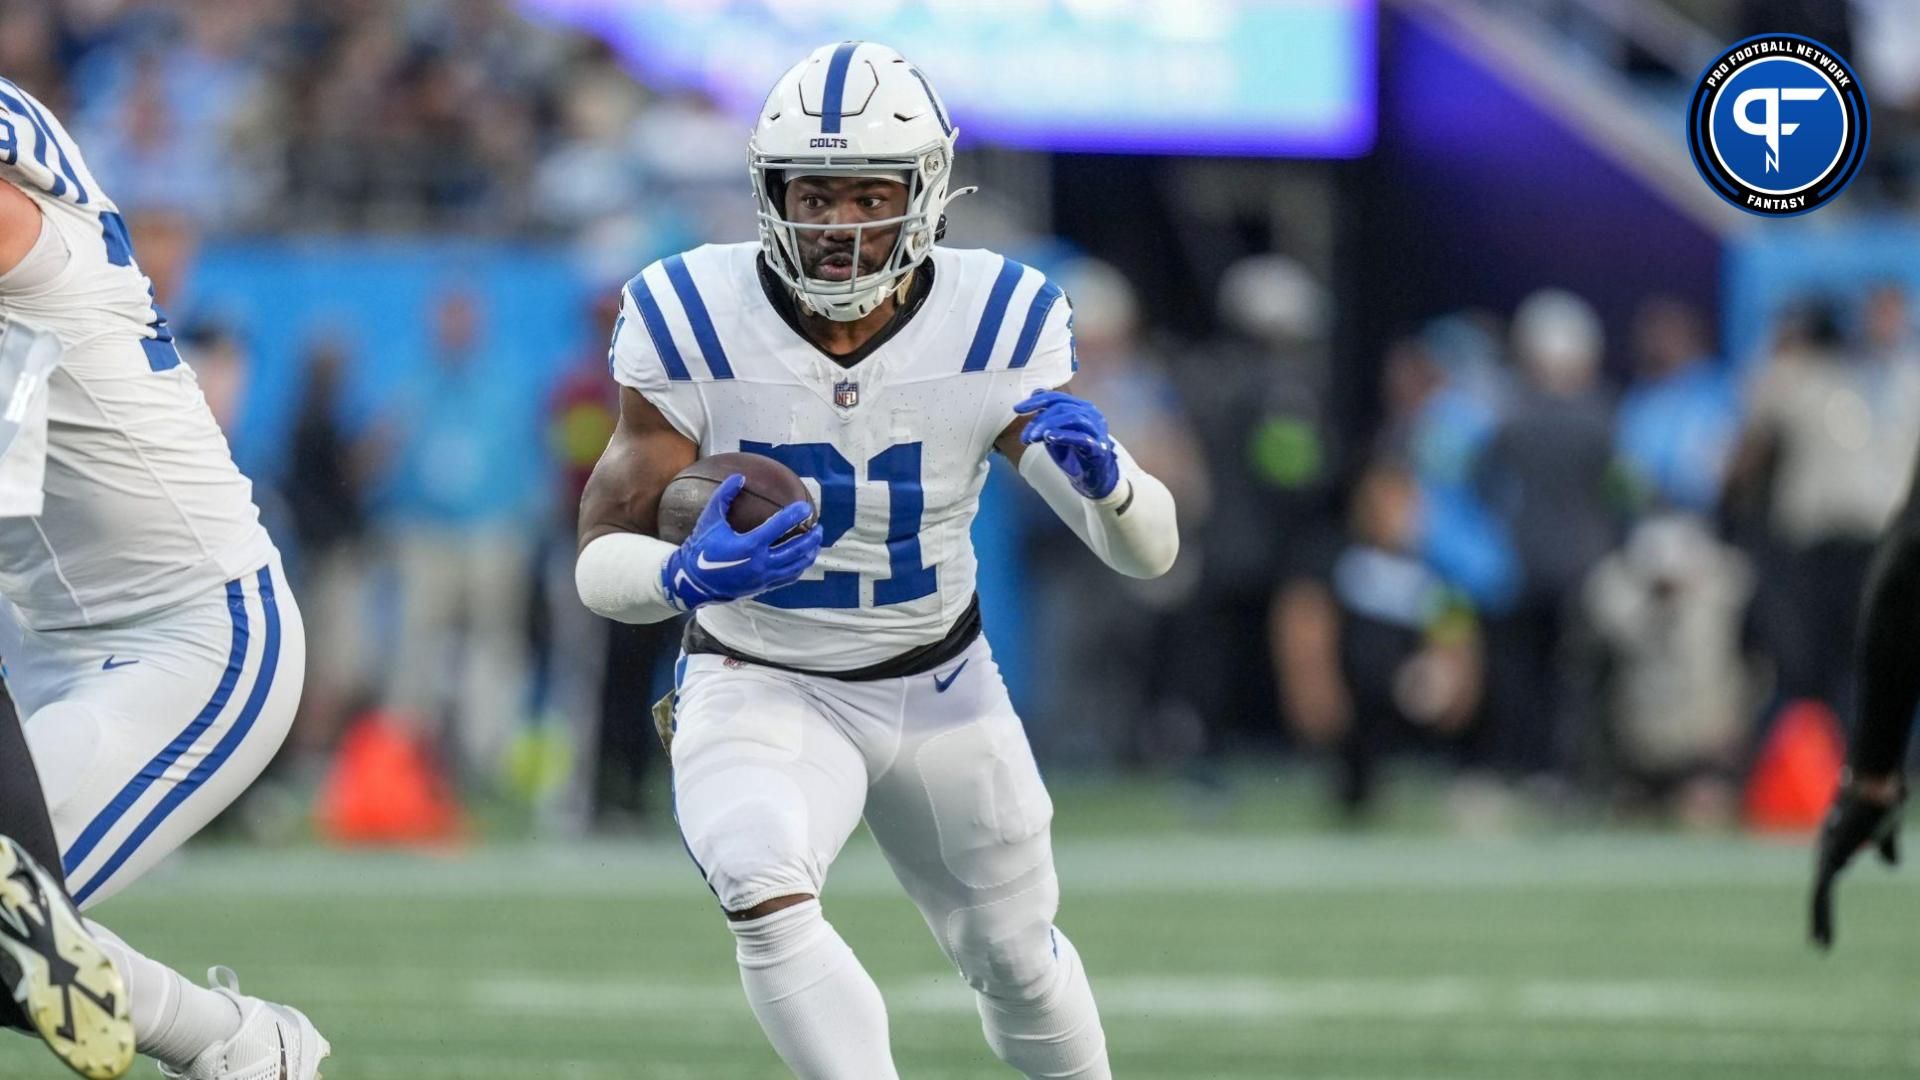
{"x":964,"y":818}
{"x":138,"y":756}
{"x":60,"y":983}
{"x":144,"y":734}
{"x":767,"y":789}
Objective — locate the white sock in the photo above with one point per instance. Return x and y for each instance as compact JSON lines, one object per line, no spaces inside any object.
{"x":1054,"y":1031}
{"x":818,"y":1006}
{"x":173,"y":1019}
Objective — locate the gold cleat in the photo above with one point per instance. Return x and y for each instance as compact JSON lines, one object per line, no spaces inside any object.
{"x":58,"y":973}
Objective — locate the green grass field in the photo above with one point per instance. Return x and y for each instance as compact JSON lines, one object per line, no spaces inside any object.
{"x":1229,"y":950}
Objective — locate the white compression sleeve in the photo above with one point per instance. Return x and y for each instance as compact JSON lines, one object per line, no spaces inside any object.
{"x":618,"y":576}
{"x":1132,"y":529}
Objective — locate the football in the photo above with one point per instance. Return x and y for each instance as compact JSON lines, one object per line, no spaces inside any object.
{"x":770,"y":486}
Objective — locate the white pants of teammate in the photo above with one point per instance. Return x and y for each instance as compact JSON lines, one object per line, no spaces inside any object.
{"x":143,"y":731}
{"x":773,"y":770}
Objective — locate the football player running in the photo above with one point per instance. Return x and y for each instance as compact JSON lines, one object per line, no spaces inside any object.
{"x":842,"y":672}
{"x":151,"y":644}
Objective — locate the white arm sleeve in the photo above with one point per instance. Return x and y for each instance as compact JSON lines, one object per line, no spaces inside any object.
{"x":618,"y":576}
{"x":1132,"y":529}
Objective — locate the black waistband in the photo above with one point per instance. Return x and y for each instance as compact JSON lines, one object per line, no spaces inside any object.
{"x":697,"y":642}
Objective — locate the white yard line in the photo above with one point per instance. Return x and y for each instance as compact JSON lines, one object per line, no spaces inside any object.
{"x":1256,"y":999}
{"x":1111,"y":865}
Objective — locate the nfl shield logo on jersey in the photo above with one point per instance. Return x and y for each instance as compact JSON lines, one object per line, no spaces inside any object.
{"x":846,"y":394}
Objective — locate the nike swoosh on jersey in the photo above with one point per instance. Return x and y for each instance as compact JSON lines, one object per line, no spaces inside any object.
{"x":700,"y":561}
{"x":940,"y":685}
{"x":109,"y":665}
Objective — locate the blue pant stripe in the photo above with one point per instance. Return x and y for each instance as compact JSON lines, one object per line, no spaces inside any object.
{"x":657,"y":328}
{"x":836,"y":91}
{"x":993,"y":316}
{"x":250,"y":712}
{"x":696,"y":309}
{"x":106,"y":819}
{"x":1043,"y":302}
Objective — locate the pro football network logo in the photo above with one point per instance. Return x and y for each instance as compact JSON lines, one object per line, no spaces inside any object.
{"x":1778,"y":125}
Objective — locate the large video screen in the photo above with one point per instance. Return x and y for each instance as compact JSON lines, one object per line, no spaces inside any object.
{"x":1291,"y":78}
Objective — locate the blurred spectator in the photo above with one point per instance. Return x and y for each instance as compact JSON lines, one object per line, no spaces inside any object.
{"x":591,"y":175}
{"x":1667,"y":609}
{"x":159,"y":106}
{"x":1831,"y":432}
{"x":30,"y":52}
{"x":1106,"y":693}
{"x":1447,"y":393}
{"x":602,"y":675}
{"x":1259,"y":411}
{"x":1373,"y":648}
{"x":459,"y":516}
{"x":1679,"y":417}
{"x":1545,"y":477}
{"x":325,"y":481}
{"x":690,"y":152}
{"x":1887,"y":330}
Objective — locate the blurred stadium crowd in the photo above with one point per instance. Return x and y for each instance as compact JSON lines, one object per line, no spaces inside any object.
{"x":1546,"y":578}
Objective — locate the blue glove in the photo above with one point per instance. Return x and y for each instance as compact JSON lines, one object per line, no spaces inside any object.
{"x":717,"y":564}
{"x":1076,"y":438}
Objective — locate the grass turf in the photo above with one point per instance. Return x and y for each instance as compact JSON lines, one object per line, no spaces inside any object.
{"x":1228,"y":951}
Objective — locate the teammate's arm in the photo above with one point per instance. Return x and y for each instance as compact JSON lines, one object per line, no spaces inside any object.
{"x":627,"y":573}
{"x":1868,"y":809}
{"x":1118,"y":509}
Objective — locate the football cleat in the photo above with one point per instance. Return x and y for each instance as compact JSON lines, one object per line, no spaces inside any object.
{"x":274,"y":1042}
{"x":61,"y":978}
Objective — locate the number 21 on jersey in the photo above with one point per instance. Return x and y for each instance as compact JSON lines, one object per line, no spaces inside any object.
{"x":898,"y":467}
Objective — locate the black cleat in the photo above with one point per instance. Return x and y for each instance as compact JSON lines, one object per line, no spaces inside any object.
{"x":62,"y":979}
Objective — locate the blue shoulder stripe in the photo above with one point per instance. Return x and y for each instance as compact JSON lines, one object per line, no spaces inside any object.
{"x":993,"y":316}
{"x":25,"y":107}
{"x":696,"y":309}
{"x":1043,"y":302}
{"x":836,"y":86}
{"x":657,"y":327}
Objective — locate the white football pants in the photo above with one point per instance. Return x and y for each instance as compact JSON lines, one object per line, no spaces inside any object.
{"x":773,"y":770}
{"x":144,"y":731}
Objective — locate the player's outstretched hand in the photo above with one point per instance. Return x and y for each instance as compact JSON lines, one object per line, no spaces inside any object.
{"x":716,"y":564}
{"x":1857,"y":819}
{"x":1076,"y":438}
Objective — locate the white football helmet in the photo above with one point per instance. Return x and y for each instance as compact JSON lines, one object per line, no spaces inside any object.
{"x":852,"y":109}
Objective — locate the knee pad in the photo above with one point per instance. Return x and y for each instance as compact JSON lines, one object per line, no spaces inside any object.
{"x":69,"y":744}
{"x":1005,"y":949}
{"x":755,"y":847}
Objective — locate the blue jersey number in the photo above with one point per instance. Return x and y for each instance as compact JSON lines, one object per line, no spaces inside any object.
{"x":161,"y":354}
{"x":899,"y":468}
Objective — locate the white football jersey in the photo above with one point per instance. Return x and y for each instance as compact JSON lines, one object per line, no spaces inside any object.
{"x":143,"y":506}
{"x":895,"y":447}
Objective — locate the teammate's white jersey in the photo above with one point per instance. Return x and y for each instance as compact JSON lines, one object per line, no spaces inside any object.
{"x":27,"y":357}
{"x":896,"y":447}
{"x":143,"y":505}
